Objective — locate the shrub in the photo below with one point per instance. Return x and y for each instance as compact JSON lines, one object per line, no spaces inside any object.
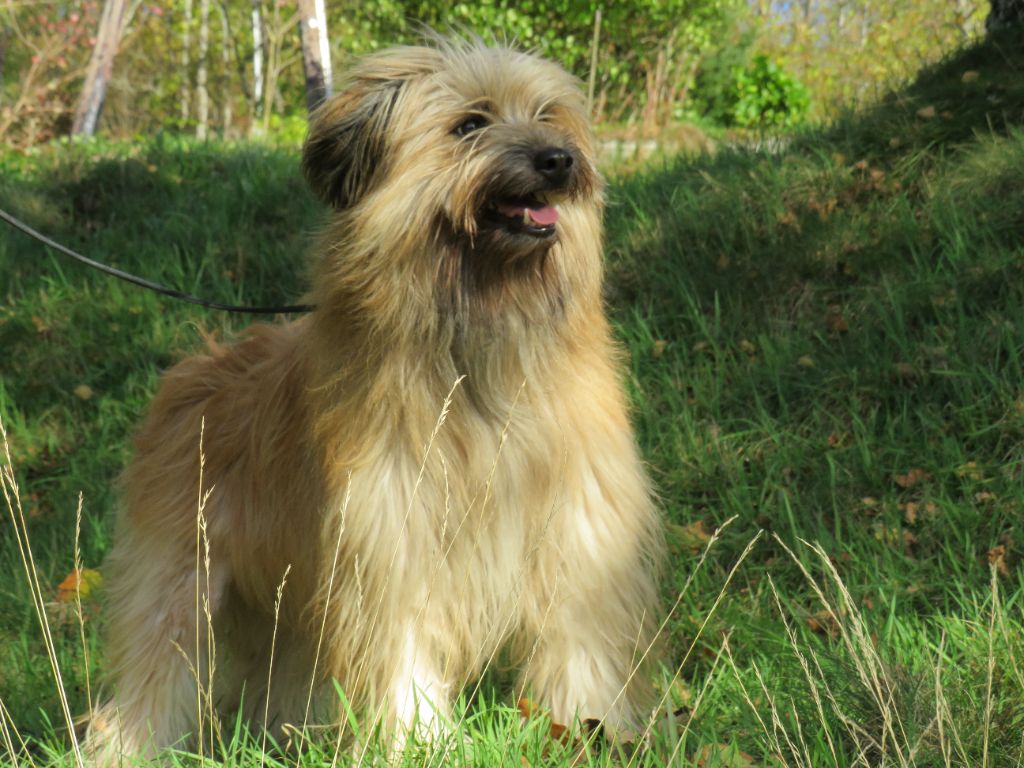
{"x":768,"y":96}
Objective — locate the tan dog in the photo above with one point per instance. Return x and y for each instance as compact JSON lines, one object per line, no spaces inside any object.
{"x":463,"y":255}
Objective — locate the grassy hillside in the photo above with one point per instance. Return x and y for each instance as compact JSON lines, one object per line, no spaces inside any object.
{"x":826,"y":345}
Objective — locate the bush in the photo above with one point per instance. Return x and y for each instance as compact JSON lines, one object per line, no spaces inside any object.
{"x":768,"y":96}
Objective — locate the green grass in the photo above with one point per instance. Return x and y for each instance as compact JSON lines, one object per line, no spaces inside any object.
{"x":826,"y":344}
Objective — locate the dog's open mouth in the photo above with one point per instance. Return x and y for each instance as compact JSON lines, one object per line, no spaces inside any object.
{"x":522,"y":216}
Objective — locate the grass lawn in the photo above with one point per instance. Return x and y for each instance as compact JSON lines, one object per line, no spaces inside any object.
{"x":826,"y":349}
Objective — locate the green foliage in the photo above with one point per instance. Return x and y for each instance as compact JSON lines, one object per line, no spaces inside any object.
{"x":714,"y":89}
{"x":632,"y":37}
{"x":657,"y":61}
{"x":850,"y":54}
{"x":766,"y":96}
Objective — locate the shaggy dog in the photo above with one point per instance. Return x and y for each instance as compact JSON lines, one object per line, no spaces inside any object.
{"x":440,"y":455}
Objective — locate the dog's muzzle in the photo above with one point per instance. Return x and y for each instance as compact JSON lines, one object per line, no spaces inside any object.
{"x":533,"y":213}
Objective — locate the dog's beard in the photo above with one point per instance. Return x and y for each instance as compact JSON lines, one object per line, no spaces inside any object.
{"x":494,"y":271}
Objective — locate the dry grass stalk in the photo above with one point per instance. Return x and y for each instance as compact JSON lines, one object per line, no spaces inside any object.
{"x":12,"y":496}
{"x":270,"y":667}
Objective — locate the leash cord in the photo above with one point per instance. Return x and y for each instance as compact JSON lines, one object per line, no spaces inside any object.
{"x":130,"y":278}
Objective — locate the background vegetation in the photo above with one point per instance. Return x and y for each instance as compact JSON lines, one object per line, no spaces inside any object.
{"x":656,"y":61}
{"x":826,"y":349}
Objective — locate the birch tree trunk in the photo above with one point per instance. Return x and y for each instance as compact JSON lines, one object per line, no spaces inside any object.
{"x":101,"y":64}
{"x":186,"y":65}
{"x":225,"y":60}
{"x":257,"y":60}
{"x":202,"y":94}
{"x":316,"y":55}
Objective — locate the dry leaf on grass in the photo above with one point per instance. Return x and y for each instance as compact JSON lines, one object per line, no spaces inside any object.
{"x":969,"y":471}
{"x":722,"y":756}
{"x":997,"y":557}
{"x":83,"y":583}
{"x":912,"y":478}
{"x":835,"y":322}
{"x":691,"y":537}
{"x":823,"y":623}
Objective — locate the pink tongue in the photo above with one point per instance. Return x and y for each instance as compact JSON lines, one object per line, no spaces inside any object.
{"x":544,"y":216}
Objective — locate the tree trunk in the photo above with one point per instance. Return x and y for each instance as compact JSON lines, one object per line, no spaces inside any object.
{"x":5,"y":35}
{"x":101,"y":64}
{"x":257,"y":59}
{"x":316,"y":55}
{"x":1003,"y":14}
{"x":225,"y":75}
{"x":202,"y":94}
{"x":186,"y":65}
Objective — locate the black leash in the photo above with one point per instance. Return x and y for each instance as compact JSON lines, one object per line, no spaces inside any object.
{"x":175,"y":294}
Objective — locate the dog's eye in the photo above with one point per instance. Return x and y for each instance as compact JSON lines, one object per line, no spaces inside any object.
{"x":470,"y":124}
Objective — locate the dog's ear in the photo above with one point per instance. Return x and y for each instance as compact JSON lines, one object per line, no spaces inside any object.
{"x":347,"y":139}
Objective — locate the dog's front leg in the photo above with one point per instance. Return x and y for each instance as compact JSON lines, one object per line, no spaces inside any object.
{"x":418,"y":696}
{"x":406,"y":697}
{"x":596,"y":612}
{"x":157,"y":650}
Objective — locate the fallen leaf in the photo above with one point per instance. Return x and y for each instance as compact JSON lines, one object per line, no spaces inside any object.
{"x":969,"y":471}
{"x":681,"y":696}
{"x":805,"y":361}
{"x":909,"y":541}
{"x":722,"y":756}
{"x":82,"y":583}
{"x":83,"y":392}
{"x":904,"y":371}
{"x":691,"y":537}
{"x":834,"y":319}
{"x":997,"y":558}
{"x":823,"y":623}
{"x":789,"y":219}
{"x":909,"y":512}
{"x":970,"y":76}
{"x":926,"y":113}
{"x":748,"y":346}
{"x":983,"y":496}
{"x":888,"y":535}
{"x":658,"y":348}
{"x":525,"y":707}
{"x":912,"y":478}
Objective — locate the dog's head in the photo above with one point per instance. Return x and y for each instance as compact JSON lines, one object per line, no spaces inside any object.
{"x":480,"y":152}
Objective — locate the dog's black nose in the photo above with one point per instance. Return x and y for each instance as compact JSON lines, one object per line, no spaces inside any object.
{"x":553,"y":164}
